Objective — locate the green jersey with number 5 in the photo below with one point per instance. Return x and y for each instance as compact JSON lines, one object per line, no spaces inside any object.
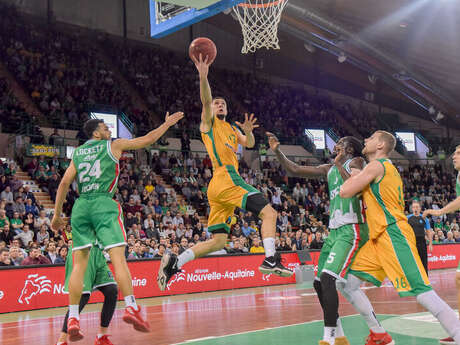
{"x":342,"y":211}
{"x":97,"y":168}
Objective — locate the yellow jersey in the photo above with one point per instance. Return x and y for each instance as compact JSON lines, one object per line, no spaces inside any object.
{"x":384,"y":200}
{"x":221,"y":142}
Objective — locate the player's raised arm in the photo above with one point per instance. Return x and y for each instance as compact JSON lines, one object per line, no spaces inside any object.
{"x":120,"y":145}
{"x":247,"y":139}
{"x":358,"y":182}
{"x":202,"y":65}
{"x":67,"y":179}
{"x":449,"y":208}
{"x":292,"y":168}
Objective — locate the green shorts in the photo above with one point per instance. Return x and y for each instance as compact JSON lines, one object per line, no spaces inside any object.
{"x":97,"y":217}
{"x":340,"y":248}
{"x":97,"y":273}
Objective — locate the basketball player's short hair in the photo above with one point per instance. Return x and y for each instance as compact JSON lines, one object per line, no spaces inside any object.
{"x":356,"y":144}
{"x":90,"y":126}
{"x":219,"y":97}
{"x":389,"y":140}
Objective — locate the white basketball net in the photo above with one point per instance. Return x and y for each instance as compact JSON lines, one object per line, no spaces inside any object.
{"x":259,"y":21}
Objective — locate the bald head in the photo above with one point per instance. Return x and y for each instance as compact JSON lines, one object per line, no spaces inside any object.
{"x":389,"y":140}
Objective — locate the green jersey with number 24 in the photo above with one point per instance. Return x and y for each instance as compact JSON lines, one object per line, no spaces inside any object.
{"x":97,"y":168}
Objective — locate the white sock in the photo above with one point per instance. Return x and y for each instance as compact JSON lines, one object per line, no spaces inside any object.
{"x":440,"y":310}
{"x":185,"y":257}
{"x":99,"y":336}
{"x":269,"y":245}
{"x":130,"y":301}
{"x":74,"y":312}
{"x":330,"y":334}
{"x":351,"y":291}
{"x":59,"y":343}
{"x":339,"y":332}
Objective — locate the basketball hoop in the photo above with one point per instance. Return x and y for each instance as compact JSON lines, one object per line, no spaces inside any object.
{"x":259,"y":21}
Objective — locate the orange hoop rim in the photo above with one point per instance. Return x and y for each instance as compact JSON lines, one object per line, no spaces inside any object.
{"x":270,"y":4}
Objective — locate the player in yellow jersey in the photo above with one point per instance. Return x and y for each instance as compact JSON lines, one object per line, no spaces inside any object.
{"x":227,"y":190}
{"x":391,"y":250}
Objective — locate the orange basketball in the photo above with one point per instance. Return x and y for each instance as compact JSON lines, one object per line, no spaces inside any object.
{"x":204,"y":46}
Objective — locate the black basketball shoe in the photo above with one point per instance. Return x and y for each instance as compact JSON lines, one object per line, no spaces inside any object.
{"x":168,"y":268}
{"x":274,"y":265}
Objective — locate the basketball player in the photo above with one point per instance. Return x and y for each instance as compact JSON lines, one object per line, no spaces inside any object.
{"x":227,"y":189}
{"x":449,"y":208}
{"x":97,"y":276}
{"x":348,"y":233}
{"x":391,"y":250}
{"x":96,"y":216}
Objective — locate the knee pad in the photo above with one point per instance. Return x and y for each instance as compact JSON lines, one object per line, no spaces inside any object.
{"x":255,"y":203}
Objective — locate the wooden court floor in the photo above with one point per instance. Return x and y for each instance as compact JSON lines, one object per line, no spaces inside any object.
{"x":288,"y":314}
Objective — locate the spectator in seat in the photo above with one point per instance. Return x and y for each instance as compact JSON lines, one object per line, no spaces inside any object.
{"x":43,"y":234}
{"x":16,"y":223}
{"x":187,"y":191}
{"x":19,"y":207}
{"x":25,"y":236}
{"x":318,"y":242}
{"x":28,"y":195}
{"x":256,"y":247}
{"x":167,"y":218}
{"x":247,"y":230}
{"x":7,"y":194}
{"x":450,"y":238}
{"x":35,"y":257}
{"x":42,"y":219}
{"x":63,"y":253}
{"x":161,"y":251}
{"x":32,"y":166}
{"x":15,"y":184}
{"x":137,"y":251}
{"x":6,"y":235}
{"x":5,"y":257}
{"x":130,"y":220}
{"x":53,"y":184}
{"x":16,"y":256}
{"x":52,"y":254}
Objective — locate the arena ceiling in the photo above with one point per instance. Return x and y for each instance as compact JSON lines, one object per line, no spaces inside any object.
{"x":411,"y":45}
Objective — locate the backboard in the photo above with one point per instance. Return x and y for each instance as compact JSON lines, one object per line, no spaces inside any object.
{"x":169,"y":16}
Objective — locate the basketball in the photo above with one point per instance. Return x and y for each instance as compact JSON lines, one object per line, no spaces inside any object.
{"x":204,"y":46}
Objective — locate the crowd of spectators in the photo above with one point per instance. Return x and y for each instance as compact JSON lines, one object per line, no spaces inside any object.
{"x":165,"y":203}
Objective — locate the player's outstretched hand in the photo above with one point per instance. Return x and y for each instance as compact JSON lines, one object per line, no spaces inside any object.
{"x":249,"y":123}
{"x":171,"y":120}
{"x":272,"y":141}
{"x":202,"y":65}
{"x":431,"y":212}
{"x":57,"y":223}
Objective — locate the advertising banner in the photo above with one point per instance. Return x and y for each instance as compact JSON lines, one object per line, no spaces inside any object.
{"x":444,"y":256}
{"x":42,"y":287}
{"x":43,"y":150}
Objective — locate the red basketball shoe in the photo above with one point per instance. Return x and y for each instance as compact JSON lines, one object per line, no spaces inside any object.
{"x":379,"y":339}
{"x":104,"y":340}
{"x":447,"y":341}
{"x":134,"y":317}
{"x":73,"y":329}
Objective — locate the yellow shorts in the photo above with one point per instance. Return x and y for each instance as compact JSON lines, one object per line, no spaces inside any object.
{"x":394,"y":255}
{"x":226,"y":191}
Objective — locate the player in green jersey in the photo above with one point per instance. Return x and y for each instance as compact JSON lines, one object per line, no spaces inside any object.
{"x":96,"y":216}
{"x":453,"y":206}
{"x":348,"y":233}
{"x":97,"y":277}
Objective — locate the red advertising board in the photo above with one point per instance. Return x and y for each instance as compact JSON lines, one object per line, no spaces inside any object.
{"x":443,"y":256}
{"x":41,"y":287}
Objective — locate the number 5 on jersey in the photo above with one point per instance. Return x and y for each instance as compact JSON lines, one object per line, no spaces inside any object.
{"x":330,"y":258}
{"x":86,"y":169}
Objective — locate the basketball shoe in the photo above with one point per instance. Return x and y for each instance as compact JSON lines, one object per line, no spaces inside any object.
{"x":274,"y":265}
{"x":379,"y":339}
{"x":341,"y":341}
{"x":134,"y":317}
{"x":104,"y":340}
{"x":168,"y":268}
{"x":447,"y":341}
{"x":73,"y":329}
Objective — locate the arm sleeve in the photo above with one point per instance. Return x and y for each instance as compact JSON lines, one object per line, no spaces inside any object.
{"x":427,"y":224}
